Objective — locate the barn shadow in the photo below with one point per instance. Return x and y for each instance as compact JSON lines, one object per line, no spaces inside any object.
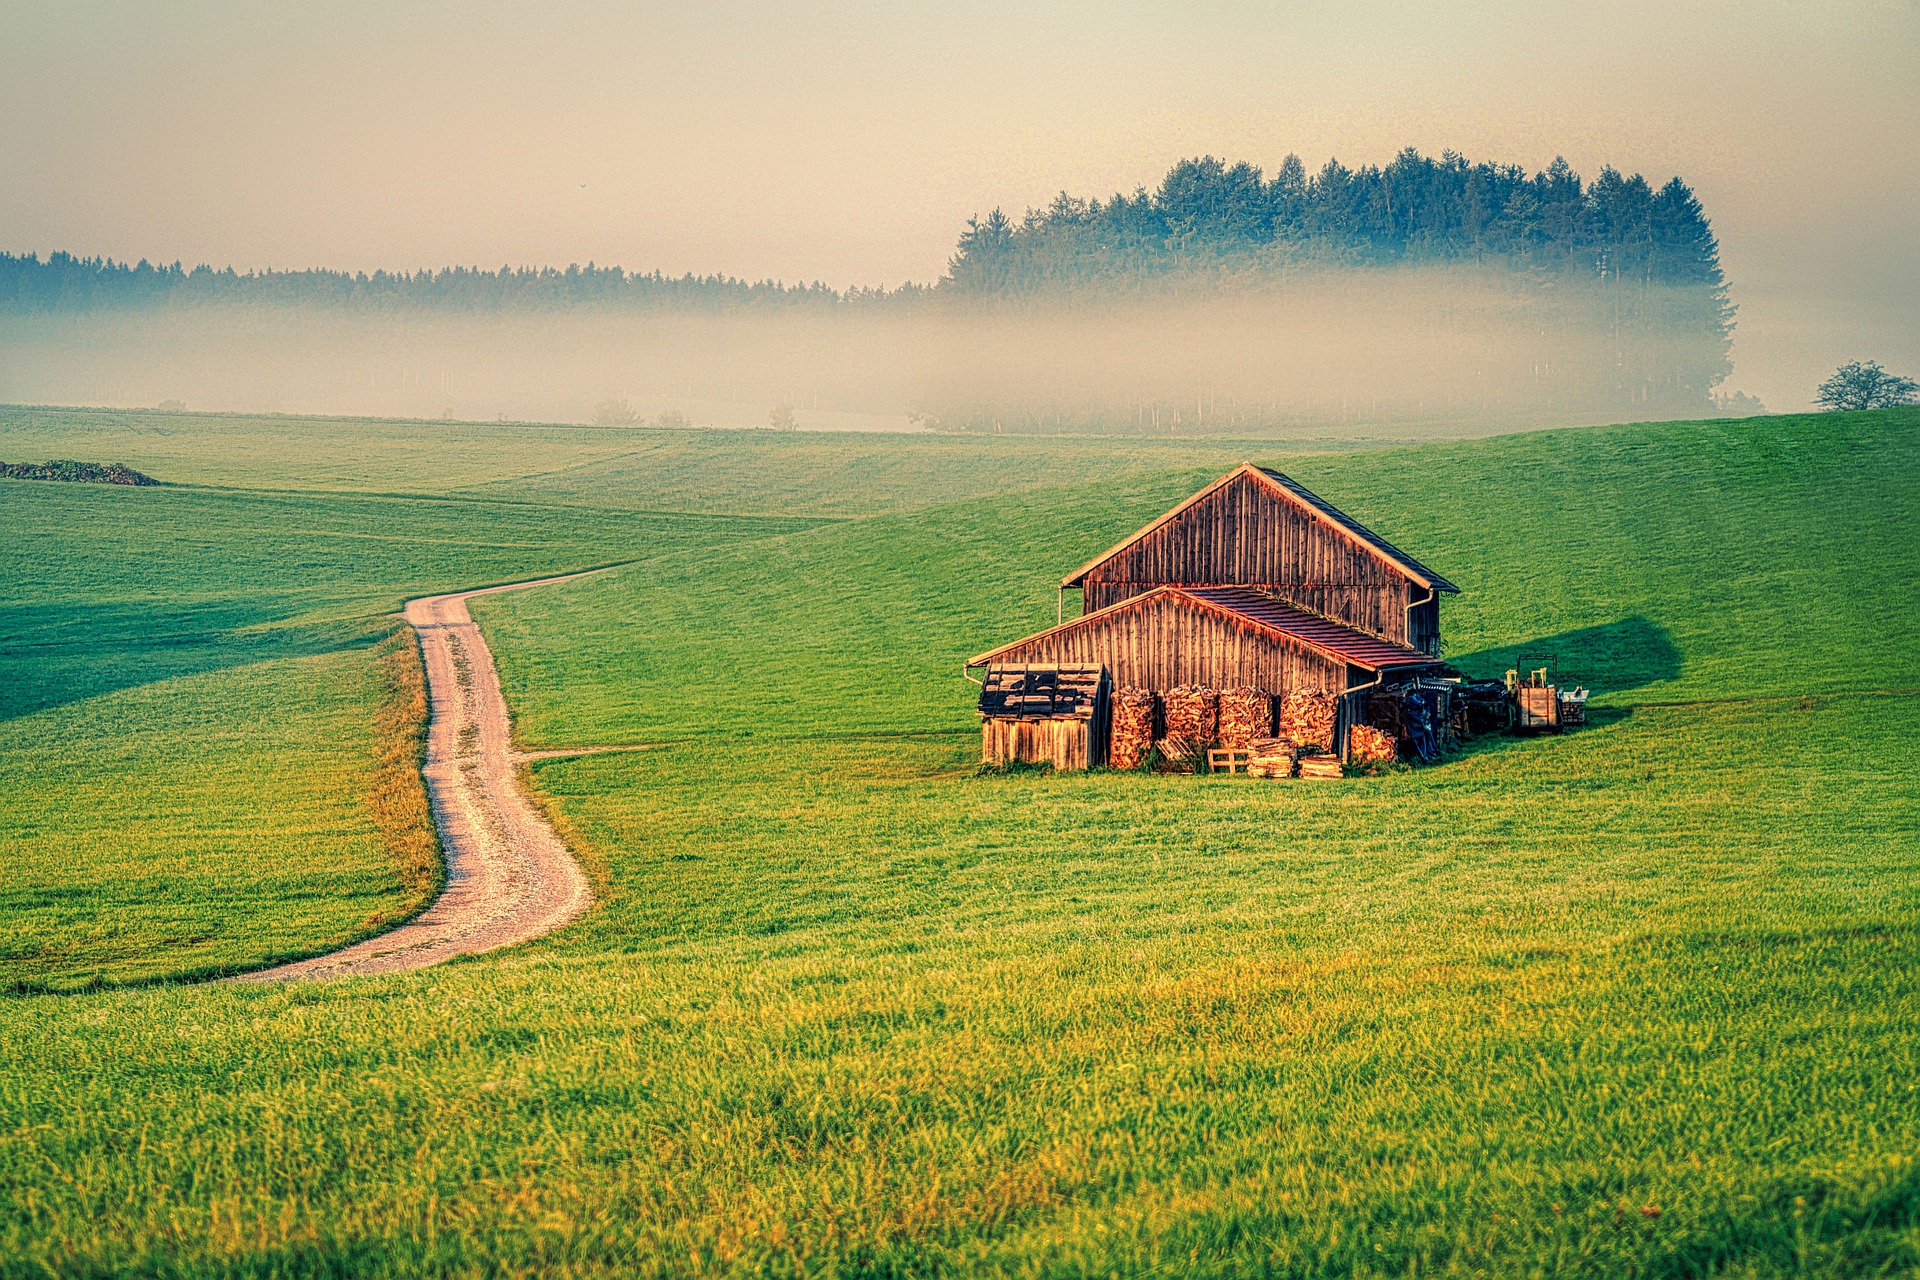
{"x":1610,"y":658}
{"x":56,"y":653}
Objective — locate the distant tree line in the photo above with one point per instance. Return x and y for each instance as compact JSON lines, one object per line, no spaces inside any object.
{"x":1207,"y":215}
{"x":63,"y":282}
{"x":1619,"y":281}
{"x":1631,"y":270}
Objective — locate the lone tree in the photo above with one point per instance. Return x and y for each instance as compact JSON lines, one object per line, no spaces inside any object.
{"x":782,"y":419}
{"x":615,"y":413}
{"x":1866,"y":386}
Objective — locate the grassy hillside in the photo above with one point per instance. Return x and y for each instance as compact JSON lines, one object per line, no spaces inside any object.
{"x":187,"y":701}
{"x":1668,"y":562}
{"x":751,"y":472}
{"x":1637,"y":1000}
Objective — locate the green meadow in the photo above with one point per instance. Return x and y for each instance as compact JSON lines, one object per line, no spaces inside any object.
{"x":1640,"y":999}
{"x":188,"y":695}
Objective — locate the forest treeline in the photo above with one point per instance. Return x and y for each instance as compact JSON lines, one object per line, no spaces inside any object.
{"x":1606,"y":295}
{"x":1543,"y":289}
{"x":1206,"y":216}
{"x":62,"y":282}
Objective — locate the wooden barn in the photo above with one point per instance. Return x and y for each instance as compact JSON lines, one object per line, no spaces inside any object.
{"x":1252,"y":582}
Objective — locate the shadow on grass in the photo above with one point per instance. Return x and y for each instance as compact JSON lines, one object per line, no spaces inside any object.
{"x":1610,"y":658}
{"x":61,"y":652}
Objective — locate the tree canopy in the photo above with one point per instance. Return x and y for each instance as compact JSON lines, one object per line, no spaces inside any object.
{"x":1208,"y":215}
{"x":1866,"y":386}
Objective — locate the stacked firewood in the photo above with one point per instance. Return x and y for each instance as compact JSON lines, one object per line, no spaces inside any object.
{"x":1321,"y":767}
{"x":1368,"y":745}
{"x":1307,"y":718}
{"x":1245,"y":714}
{"x":1193,"y":714}
{"x":1271,"y":758}
{"x":1132,"y":735}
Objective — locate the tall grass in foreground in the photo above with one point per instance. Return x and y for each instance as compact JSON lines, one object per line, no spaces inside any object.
{"x":1642,"y":1000}
{"x":397,"y":793}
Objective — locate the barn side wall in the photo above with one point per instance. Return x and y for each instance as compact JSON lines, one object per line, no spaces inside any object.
{"x":1160,"y":644}
{"x":1063,"y":743}
{"x":1243,"y":535}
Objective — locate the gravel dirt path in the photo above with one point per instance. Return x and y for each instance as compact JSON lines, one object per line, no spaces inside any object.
{"x":509,"y":876}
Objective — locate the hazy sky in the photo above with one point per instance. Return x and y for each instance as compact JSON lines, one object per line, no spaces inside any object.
{"x":847,"y":141}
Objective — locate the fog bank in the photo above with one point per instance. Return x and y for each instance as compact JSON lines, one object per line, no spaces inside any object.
{"x":1405,"y":352}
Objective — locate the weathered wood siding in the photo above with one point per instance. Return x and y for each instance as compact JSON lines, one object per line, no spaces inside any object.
{"x":1063,"y":743}
{"x":1424,"y":631}
{"x":1242,"y":534}
{"x":1159,"y":644}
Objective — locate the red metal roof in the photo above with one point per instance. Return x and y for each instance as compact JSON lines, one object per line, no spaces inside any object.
{"x":1263,"y":611}
{"x":1357,"y":647}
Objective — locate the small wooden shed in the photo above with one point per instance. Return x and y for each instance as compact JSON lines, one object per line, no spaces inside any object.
{"x":1050,"y":713}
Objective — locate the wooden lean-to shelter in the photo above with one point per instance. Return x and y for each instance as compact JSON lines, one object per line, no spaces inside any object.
{"x":1252,"y":582}
{"x":1052,"y":712}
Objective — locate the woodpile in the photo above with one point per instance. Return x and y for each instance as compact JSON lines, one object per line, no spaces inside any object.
{"x":1193,"y":713}
{"x":1272,"y":758}
{"x":1368,"y":745}
{"x":1321,"y":767}
{"x":1132,"y":728}
{"x":1307,"y":718}
{"x":1245,"y":715}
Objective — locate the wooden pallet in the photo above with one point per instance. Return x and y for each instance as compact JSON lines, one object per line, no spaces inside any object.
{"x":1228,"y":759}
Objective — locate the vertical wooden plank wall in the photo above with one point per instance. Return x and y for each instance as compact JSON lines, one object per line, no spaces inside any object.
{"x":1242,"y":534}
{"x":1159,"y":644}
{"x":1063,"y":743}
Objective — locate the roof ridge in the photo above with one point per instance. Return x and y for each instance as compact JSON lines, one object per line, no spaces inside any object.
{"x":1287,"y":489}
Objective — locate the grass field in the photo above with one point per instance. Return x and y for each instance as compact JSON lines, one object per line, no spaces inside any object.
{"x":1638,"y":1000}
{"x":729,"y":472}
{"x":188,"y":700}
{"x":1674,"y":563}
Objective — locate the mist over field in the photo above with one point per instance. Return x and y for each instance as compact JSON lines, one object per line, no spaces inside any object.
{"x":842,"y":373}
{"x":1404,"y":353}
{"x":1428,"y":295}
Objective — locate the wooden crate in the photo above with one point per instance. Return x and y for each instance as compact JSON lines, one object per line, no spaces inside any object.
{"x":1536,"y":708}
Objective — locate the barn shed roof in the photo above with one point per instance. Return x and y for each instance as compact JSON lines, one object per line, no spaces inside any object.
{"x":1288,"y":490}
{"x":1262,"y":613}
{"x":1335,"y":638}
{"x":1053,"y":691}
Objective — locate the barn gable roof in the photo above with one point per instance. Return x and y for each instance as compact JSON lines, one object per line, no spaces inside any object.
{"x":1291,"y":491}
{"x":1260,"y":612}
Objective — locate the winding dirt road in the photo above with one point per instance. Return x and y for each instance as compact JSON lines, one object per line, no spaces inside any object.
{"x":509,"y":876}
